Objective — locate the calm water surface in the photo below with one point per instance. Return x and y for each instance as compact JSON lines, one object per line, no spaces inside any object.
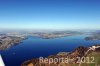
{"x":34,"y":47}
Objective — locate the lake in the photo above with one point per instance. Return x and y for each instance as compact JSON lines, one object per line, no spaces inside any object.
{"x":35,"y":47}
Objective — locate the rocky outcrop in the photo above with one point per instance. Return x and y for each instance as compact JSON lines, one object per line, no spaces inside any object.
{"x":78,"y":52}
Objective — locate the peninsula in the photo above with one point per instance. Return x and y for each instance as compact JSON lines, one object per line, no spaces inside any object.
{"x":7,"y":41}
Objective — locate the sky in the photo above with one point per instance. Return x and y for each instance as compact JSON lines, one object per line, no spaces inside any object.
{"x":50,"y":14}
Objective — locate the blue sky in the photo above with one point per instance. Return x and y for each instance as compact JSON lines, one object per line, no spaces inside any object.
{"x":49,"y":14}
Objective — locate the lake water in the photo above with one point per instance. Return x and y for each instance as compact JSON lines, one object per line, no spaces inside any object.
{"x":35,"y":47}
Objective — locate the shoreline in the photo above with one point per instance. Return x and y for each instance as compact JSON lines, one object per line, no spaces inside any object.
{"x":10,"y":41}
{"x":78,"y":52}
